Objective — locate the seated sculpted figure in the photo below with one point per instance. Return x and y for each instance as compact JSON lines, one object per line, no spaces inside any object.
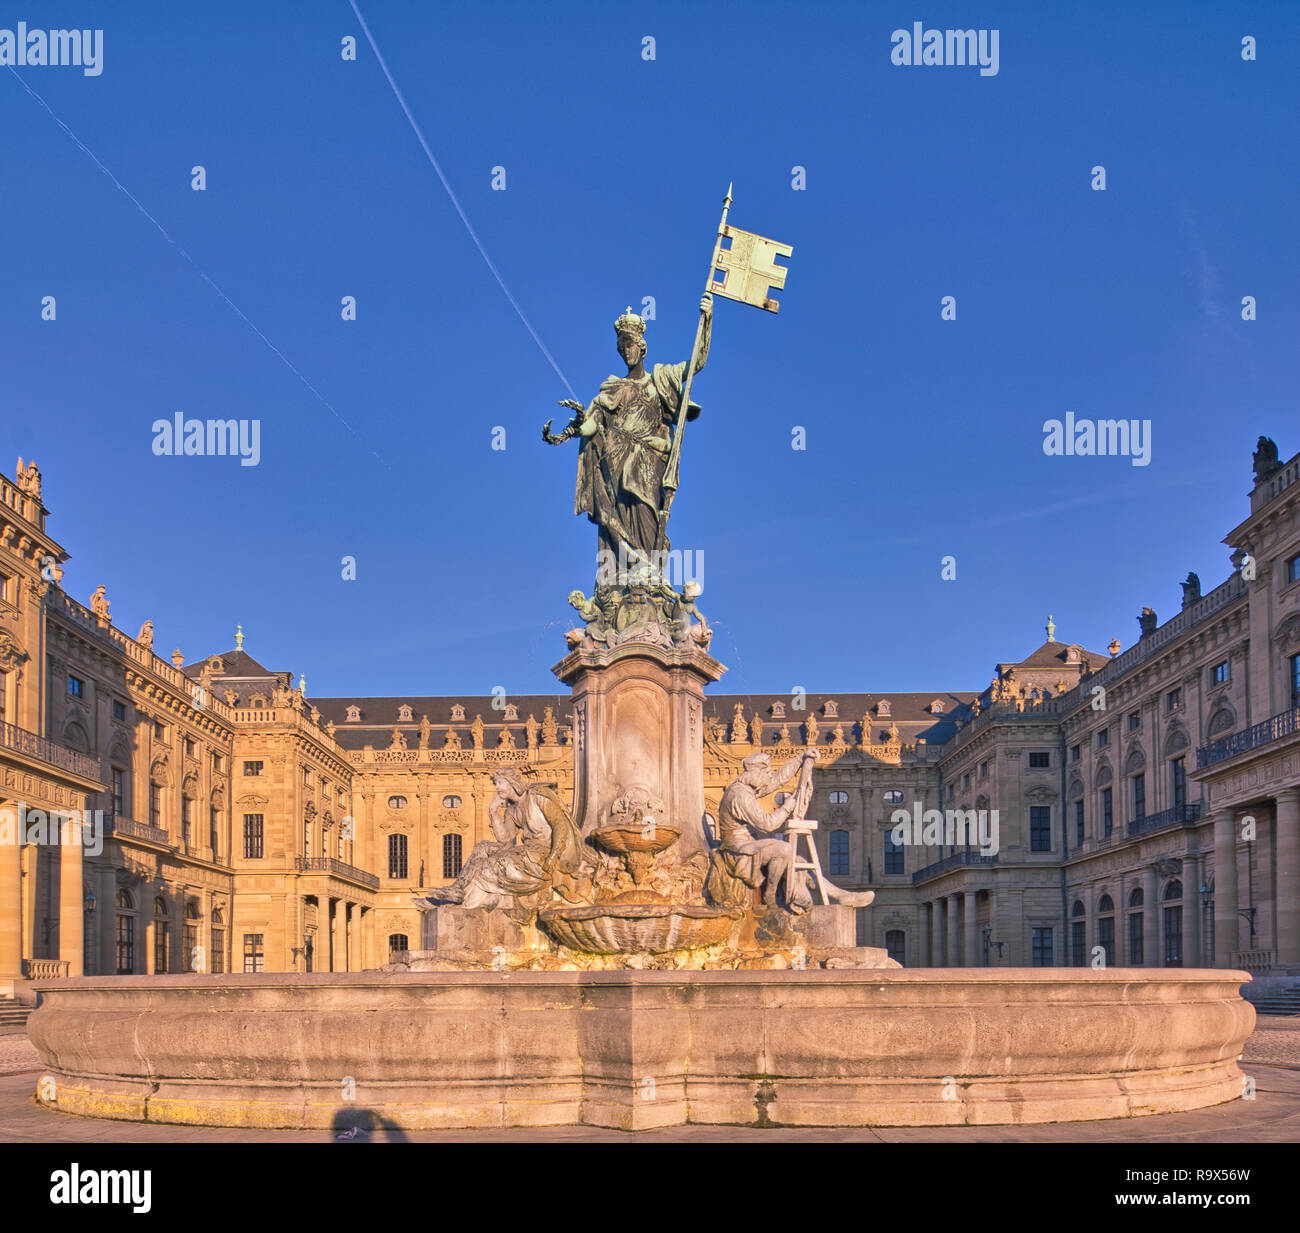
{"x":743,"y":858}
{"x":536,"y":848}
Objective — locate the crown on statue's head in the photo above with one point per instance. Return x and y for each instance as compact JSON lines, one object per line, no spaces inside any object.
{"x":630,"y":323}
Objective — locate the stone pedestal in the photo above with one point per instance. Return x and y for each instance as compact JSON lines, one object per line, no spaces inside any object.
{"x":638,"y":722}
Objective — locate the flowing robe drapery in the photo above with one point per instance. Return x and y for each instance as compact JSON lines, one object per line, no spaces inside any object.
{"x":621,"y":466}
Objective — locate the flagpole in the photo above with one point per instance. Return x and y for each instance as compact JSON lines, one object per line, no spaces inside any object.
{"x":671,"y":474}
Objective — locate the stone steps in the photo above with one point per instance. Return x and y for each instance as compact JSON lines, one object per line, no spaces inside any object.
{"x":1276,"y":1001}
{"x":13,"y":1013}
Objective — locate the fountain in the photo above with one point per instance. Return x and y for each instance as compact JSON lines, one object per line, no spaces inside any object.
{"x":612,"y":962}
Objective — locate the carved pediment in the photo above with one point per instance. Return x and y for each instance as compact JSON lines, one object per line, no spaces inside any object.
{"x":1288,"y":632}
{"x":12,"y":653}
{"x":310,"y":811}
{"x":1041,"y":793}
{"x":251,"y":800}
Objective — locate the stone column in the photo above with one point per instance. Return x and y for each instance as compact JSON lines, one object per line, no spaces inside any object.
{"x":1152,"y":941}
{"x":107,"y":914}
{"x":953,"y":954}
{"x":971,"y":957}
{"x":1286,"y":828}
{"x":1191,"y":911}
{"x":1225,"y":888}
{"x":323,"y":958}
{"x":923,"y":958}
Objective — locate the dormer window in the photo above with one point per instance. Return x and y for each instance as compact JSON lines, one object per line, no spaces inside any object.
{"x":404,"y":714}
{"x":512,"y":711}
{"x":353,"y":715}
{"x":458,"y":713}
{"x":1073,"y":655}
{"x":883,"y":707}
{"x":832,"y":710}
{"x":778,"y":710}
{"x":936,"y":707}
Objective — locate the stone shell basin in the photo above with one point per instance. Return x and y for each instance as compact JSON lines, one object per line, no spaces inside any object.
{"x":631,"y":928}
{"x":623,"y":840}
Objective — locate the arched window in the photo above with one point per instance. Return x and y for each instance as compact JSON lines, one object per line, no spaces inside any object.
{"x":397,"y":944}
{"x":125,"y":934}
{"x":1135,"y":898}
{"x":896,"y":945}
{"x":450,"y":856}
{"x":839,"y":853}
{"x":451,"y":802}
{"x":1106,"y":928}
{"x":1173,"y":923}
{"x":1136,"y":949}
{"x":397,"y":802}
{"x":397,"y":856}
{"x":1078,"y":936}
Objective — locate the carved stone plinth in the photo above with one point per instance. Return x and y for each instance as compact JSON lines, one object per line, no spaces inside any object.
{"x":638,"y":722}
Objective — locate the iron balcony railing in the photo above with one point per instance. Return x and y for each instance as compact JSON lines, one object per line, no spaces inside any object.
{"x":952,"y":862}
{"x":327,"y":864}
{"x":33,"y":746}
{"x":1176,"y":815}
{"x":1287,"y":723}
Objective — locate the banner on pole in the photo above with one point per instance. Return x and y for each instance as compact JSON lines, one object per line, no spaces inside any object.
{"x":745,"y":269}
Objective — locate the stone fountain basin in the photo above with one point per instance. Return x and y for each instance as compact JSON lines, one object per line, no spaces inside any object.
{"x":624,"y":839}
{"x":631,"y":928}
{"x":438,"y":1050}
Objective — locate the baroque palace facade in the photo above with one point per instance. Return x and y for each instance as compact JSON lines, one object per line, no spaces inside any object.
{"x":1147,"y":802}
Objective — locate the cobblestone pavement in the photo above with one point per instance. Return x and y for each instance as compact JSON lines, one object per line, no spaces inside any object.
{"x":1271,"y":1058}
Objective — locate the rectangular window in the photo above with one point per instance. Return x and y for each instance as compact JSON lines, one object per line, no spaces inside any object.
{"x":397,"y":856}
{"x":984,"y":770}
{"x":1139,"y":797}
{"x":1078,"y":824}
{"x":162,"y":947}
{"x":1079,"y":943}
{"x":1173,"y":699}
{"x":1106,"y":938}
{"x":1042,"y":954}
{"x":155,"y":805}
{"x":1135,"y":958}
{"x":119,"y":780}
{"x":76,"y":686}
{"x":1174,"y":936}
{"x":190,"y":943}
{"x":839,"y":852}
{"x":4,"y":697}
{"x":252,"y":768}
{"x":1179,"y":770}
{"x":160,"y":732}
{"x":119,"y":711}
{"x":218,"y":951}
{"x":1039,"y":759}
{"x":1292,"y":569}
{"x":1040,"y":828}
{"x":253,"y":958}
{"x":253,"y":836}
{"x":1107,"y":812}
{"x":187,"y":816}
{"x":1103,"y":738}
{"x":1219,"y":673}
{"x":1295,"y":681}
{"x":189,"y":747}
{"x":451,"y":856}
{"x":893,"y":854}
{"x":965,"y":782}
{"x":306,"y":837}
{"x":214,"y":820}
{"x":125,"y":945}
{"x":306,"y":777}
{"x":1076,"y":752}
{"x":1134,"y":720}
{"x":7,"y":588}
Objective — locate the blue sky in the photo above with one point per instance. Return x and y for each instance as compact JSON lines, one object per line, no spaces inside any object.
{"x":924,"y":437}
